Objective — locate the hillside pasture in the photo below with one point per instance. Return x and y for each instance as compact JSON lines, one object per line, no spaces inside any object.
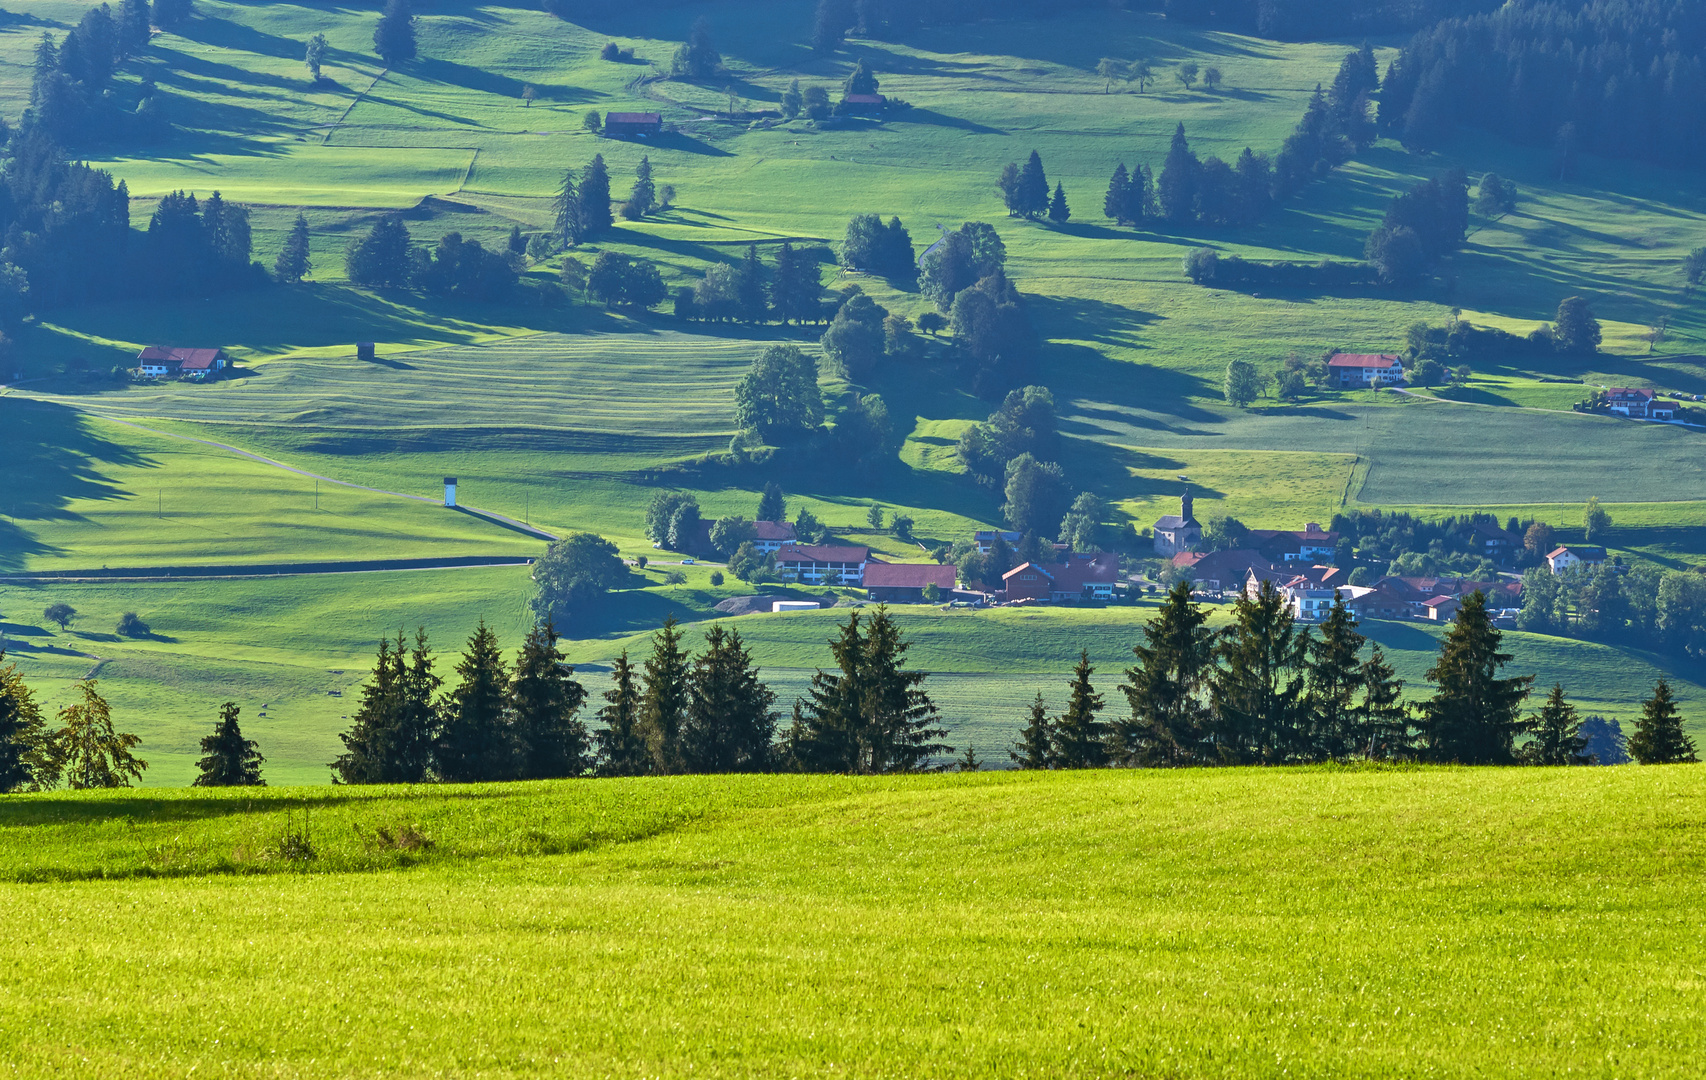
{"x":1241,"y":922}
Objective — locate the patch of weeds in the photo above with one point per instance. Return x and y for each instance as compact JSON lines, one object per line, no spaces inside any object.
{"x":406,"y":838}
{"x":293,"y":845}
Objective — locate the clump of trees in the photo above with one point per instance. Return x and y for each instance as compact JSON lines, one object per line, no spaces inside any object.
{"x":1616,"y":79}
{"x":697,"y":58}
{"x":386,"y":257}
{"x":676,"y":713}
{"x":86,"y":750}
{"x":394,"y":35}
{"x":965,"y":274}
{"x":789,"y":290}
{"x":876,"y":248}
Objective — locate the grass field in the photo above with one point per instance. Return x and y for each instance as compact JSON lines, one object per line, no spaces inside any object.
{"x":1227,"y":923}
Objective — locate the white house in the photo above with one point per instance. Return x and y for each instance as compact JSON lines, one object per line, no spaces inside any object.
{"x":1573,"y":555}
{"x":1365,"y":369}
{"x":822,"y":564}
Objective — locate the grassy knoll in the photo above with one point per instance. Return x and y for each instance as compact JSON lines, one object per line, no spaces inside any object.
{"x":293,"y":652}
{"x":1202,"y":923}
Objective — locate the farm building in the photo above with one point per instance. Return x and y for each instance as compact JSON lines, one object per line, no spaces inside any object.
{"x":985,"y":539}
{"x":1569,"y":556}
{"x":1287,"y":545}
{"x":633,"y":123}
{"x":863,"y":104}
{"x":904,"y":583}
{"x":768,"y":537}
{"x":1177,"y":532}
{"x":1089,"y":576}
{"x":1441,"y":608}
{"x":1638,"y":404}
{"x":1365,"y":369}
{"x":1220,"y":571}
{"x":821,"y":564}
{"x":159,"y":360}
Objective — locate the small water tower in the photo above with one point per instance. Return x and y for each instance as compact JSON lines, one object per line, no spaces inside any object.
{"x":450,"y":491}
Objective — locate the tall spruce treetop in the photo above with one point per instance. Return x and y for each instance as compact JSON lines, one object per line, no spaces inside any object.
{"x":697,"y":58}
{"x":1659,"y":738}
{"x":1557,"y":729}
{"x":595,"y":197}
{"x":1034,"y":749}
{"x":664,"y":701}
{"x":476,"y":743}
{"x":231,"y":760}
{"x":730,"y":721}
{"x":1177,"y":188}
{"x":1333,"y":678}
{"x":543,"y":700}
{"x":22,"y":732}
{"x":1257,"y":692}
{"x":390,"y":740}
{"x":1169,"y":716}
{"x":644,"y":198}
{"x":293,"y":263}
{"x":873,"y":716}
{"x":1033,"y":187}
{"x":621,"y":748}
{"x":749,"y":287}
{"x":1078,"y":739}
{"x":1473,"y":717}
{"x":568,"y":227}
{"x":771,"y":505}
{"x":394,"y":37}
{"x":1383,"y":718}
{"x":1119,"y":194}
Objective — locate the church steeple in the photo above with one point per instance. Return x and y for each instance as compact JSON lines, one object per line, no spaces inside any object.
{"x":1185,"y":502}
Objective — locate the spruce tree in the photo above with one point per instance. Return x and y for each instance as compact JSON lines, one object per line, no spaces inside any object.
{"x":543,"y":700}
{"x":1659,"y":738}
{"x":133,"y":22}
{"x":1169,"y":717}
{"x":771,"y":505}
{"x":1472,"y":719}
{"x":23,"y":734}
{"x":729,"y":723}
{"x":1333,"y":678}
{"x":476,"y":742}
{"x":96,"y":754}
{"x":621,"y":749}
{"x":1258,"y":691}
{"x":749,"y":288}
{"x":1177,"y":188}
{"x":663,"y":702}
{"x":595,"y":197}
{"x":1557,"y":730}
{"x":1008,"y":183}
{"x":390,"y":738}
{"x":1383,"y":719}
{"x":1078,"y":739}
{"x":1115,"y":202}
{"x":643,"y":199}
{"x":293,"y":264}
{"x":874,"y":715}
{"x":1058,"y":211}
{"x":1033,"y":187}
{"x":231,"y":760}
{"x":1034,"y":750}
{"x":793,"y":100}
{"x":569,"y":228}
{"x":394,"y":37}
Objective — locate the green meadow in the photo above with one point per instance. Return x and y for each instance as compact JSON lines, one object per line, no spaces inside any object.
{"x":574,"y":417}
{"x":1228,"y":923}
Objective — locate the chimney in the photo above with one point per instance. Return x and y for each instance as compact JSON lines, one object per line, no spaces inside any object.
{"x":450,"y":491}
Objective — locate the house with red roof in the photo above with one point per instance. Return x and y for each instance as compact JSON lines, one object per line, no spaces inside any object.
{"x":1083,"y":576}
{"x":823,"y":564}
{"x":1352,"y":370}
{"x":157,"y":361}
{"x":904,"y":583}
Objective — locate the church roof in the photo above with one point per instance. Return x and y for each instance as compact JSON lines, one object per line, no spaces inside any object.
{"x":1174,"y":521}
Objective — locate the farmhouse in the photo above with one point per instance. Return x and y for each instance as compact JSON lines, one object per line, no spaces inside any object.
{"x":1287,"y":546}
{"x":1628,"y":401}
{"x":904,"y":583}
{"x":1310,"y":603}
{"x":1081,"y":577}
{"x":1441,"y":608}
{"x":1378,"y":601}
{"x":1570,"y":556}
{"x":985,"y":539}
{"x":1365,"y":369}
{"x":863,"y":104}
{"x":821,"y":564}
{"x":1178,"y":532}
{"x":767,"y":538}
{"x":1220,"y":571}
{"x":159,"y":360}
{"x":633,"y":123}
{"x":1496,"y":542}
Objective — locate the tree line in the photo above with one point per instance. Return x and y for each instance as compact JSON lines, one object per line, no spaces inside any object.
{"x":1266,"y":691}
{"x":1624,"y":80}
{"x":87,"y":751}
{"x":1310,"y":20}
{"x":674,"y":713}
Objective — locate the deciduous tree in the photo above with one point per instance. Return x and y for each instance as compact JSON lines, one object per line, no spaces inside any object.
{"x":95,"y":754}
{"x":573,"y":574}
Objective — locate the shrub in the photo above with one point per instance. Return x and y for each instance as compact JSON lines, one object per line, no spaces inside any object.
{"x":130,"y":624}
{"x":716,"y":578}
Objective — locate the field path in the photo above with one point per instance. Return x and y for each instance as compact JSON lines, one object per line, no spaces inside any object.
{"x":489,"y":515}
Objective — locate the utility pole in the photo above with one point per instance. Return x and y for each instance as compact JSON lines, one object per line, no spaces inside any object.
{"x":316,"y":494}
{"x":159,"y":504}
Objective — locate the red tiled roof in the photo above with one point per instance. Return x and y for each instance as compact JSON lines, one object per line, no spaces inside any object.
{"x":1625,"y":393}
{"x":909,"y":575}
{"x":200,"y":358}
{"x":822,"y":553}
{"x":1352,"y":359}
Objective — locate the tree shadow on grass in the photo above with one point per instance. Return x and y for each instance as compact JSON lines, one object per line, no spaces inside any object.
{"x":931,"y":117}
{"x":54,"y":455}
